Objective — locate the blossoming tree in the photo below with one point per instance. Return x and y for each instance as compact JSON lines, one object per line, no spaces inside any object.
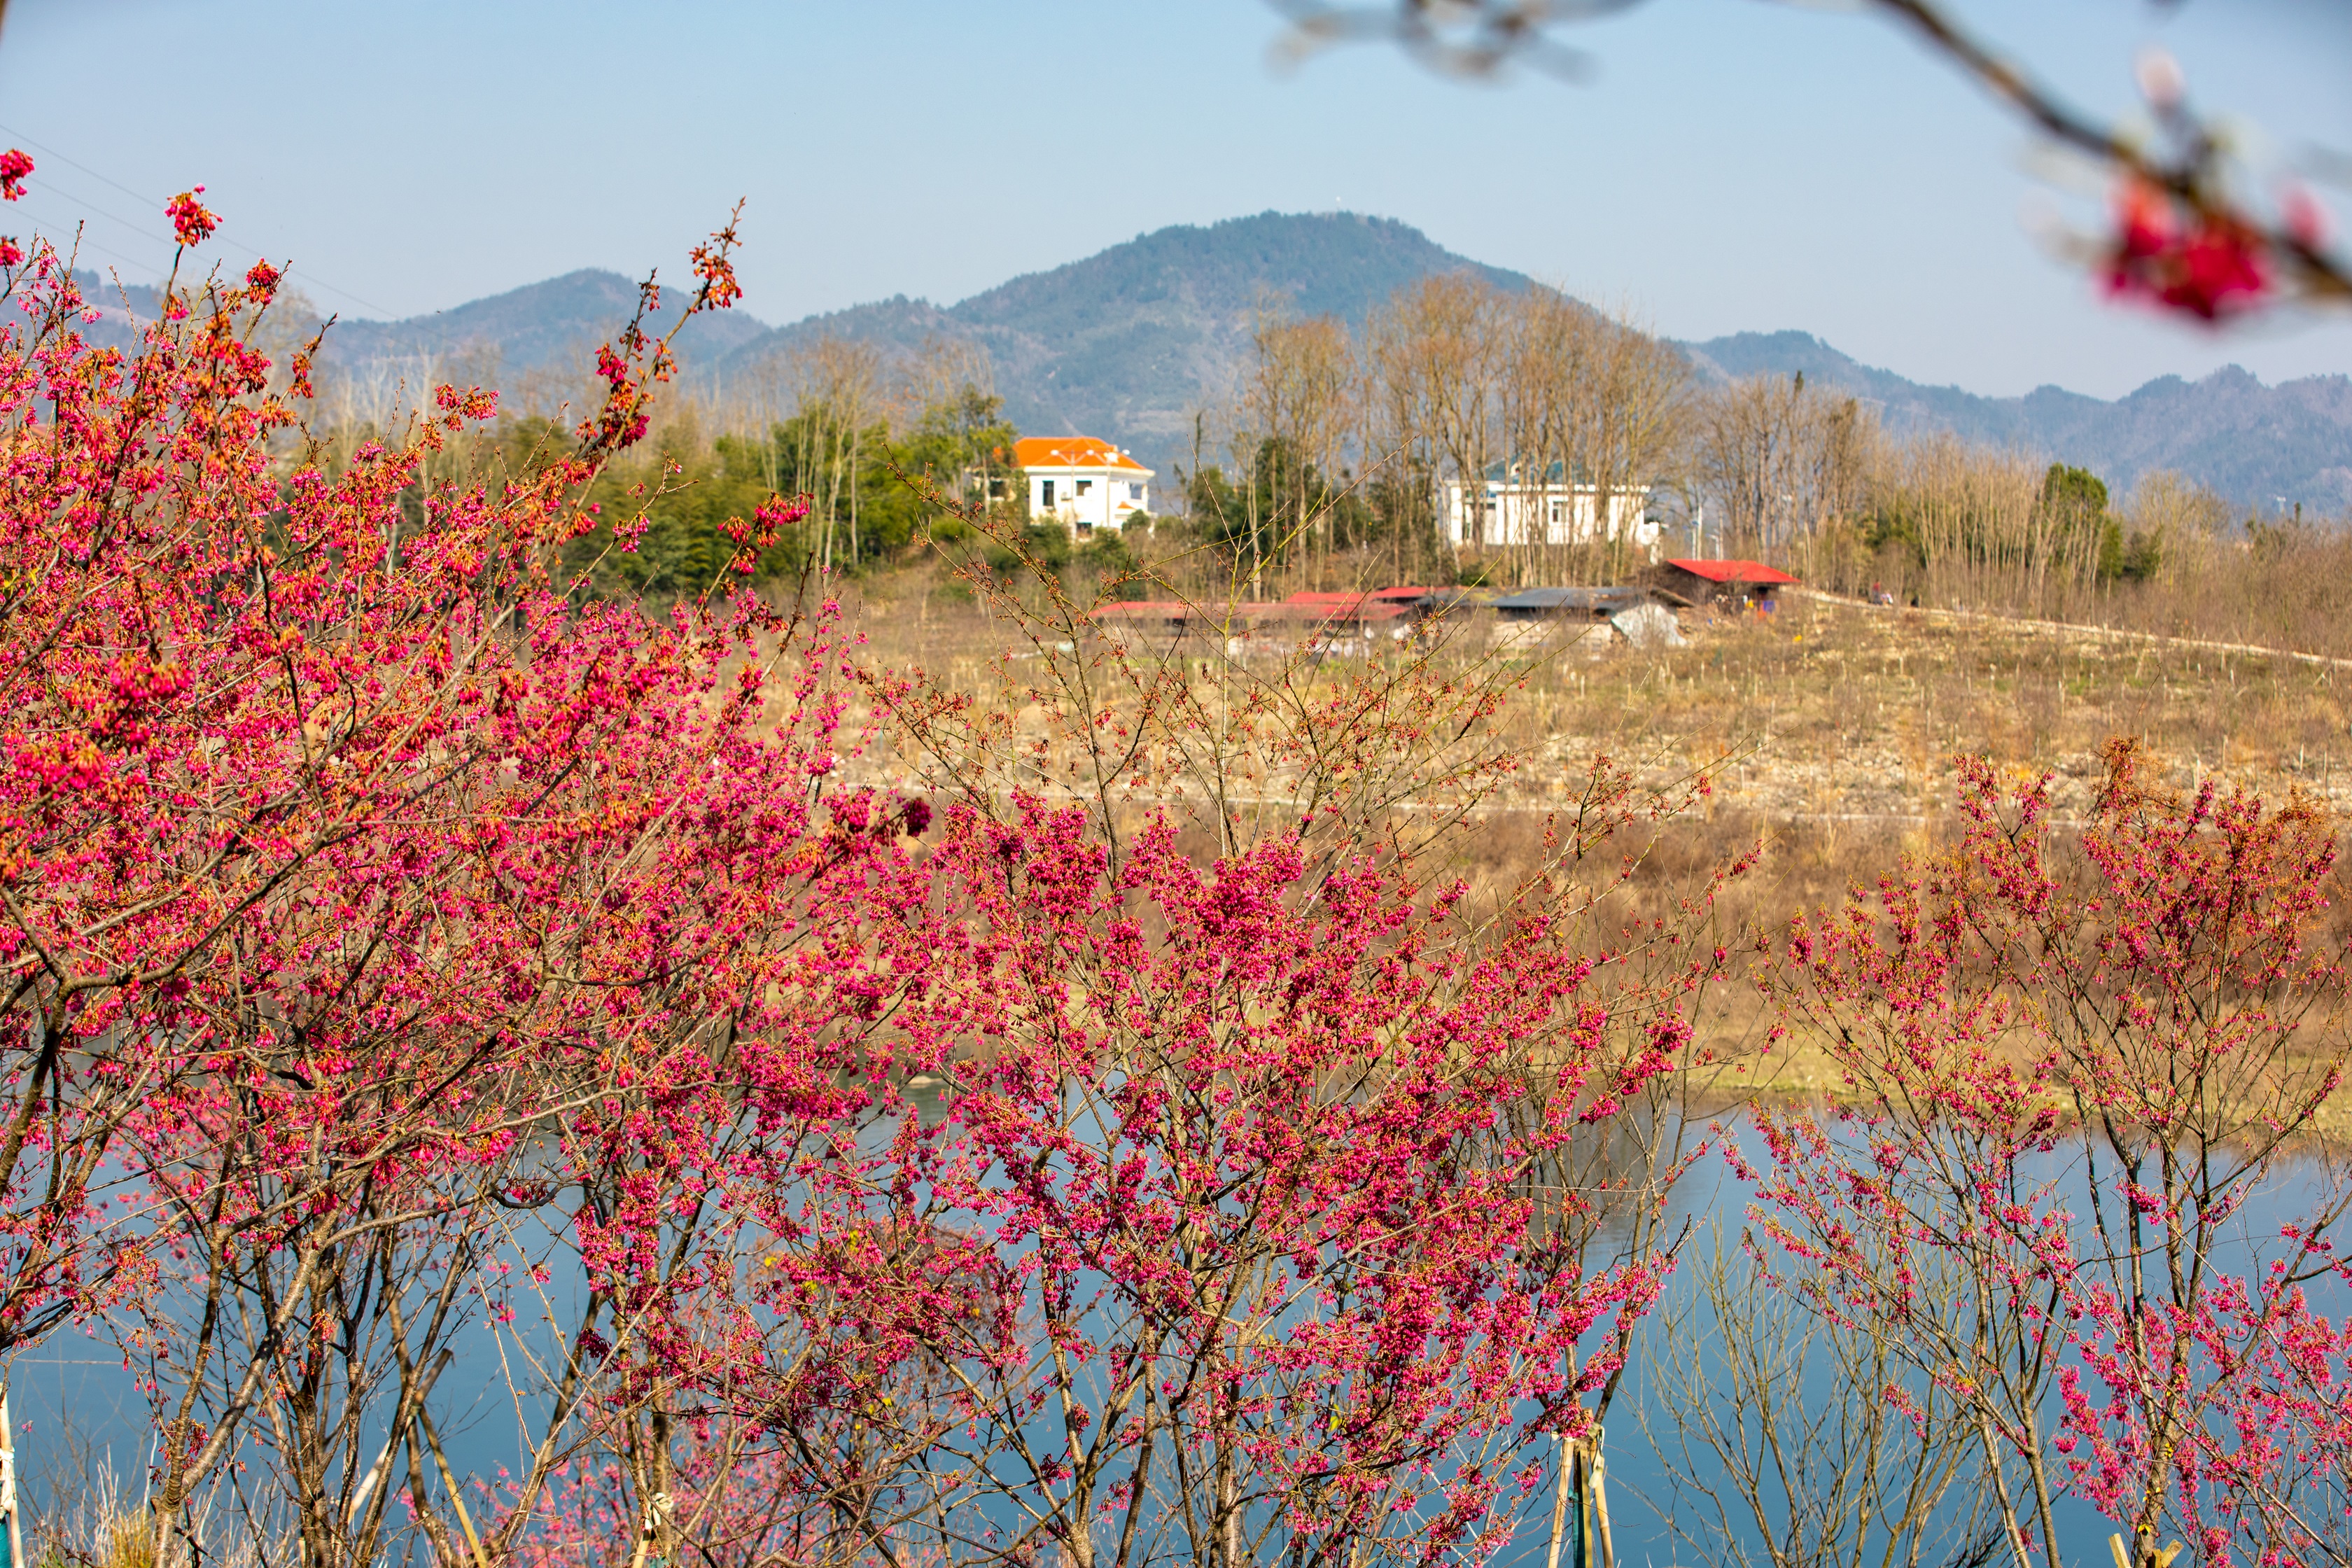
{"x":2077,"y":1071}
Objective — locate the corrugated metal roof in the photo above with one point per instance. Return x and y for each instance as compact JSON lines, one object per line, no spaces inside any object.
{"x":1591,"y":601}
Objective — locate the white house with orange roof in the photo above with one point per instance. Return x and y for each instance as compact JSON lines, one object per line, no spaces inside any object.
{"x":1085,"y":483}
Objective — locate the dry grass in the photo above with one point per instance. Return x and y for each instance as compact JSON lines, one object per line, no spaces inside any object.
{"x":1828,"y":731}
{"x":1840,"y":719}
{"x":92,"y":1520}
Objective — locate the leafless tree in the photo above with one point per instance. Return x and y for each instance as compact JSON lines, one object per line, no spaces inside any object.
{"x":1795,"y":1440}
{"x":1301,"y":394}
{"x":1779,"y":459}
{"x":1591,"y":400}
{"x":1434,"y":353}
{"x":838,"y":383}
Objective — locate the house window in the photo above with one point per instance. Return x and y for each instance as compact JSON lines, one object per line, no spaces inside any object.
{"x":996,"y":489}
{"x":1085,"y":485}
{"x":1049,"y":493}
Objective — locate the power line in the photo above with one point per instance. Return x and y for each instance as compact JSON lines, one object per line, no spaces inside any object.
{"x":85,"y":168}
{"x":83,"y":241}
{"x":54,"y":189}
{"x":149,"y":201}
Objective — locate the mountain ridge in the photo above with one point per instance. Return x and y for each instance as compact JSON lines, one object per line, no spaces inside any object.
{"x":2259,"y":445}
{"x":1128,"y":344}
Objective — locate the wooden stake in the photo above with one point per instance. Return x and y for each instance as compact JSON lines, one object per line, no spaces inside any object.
{"x":1559,"y":1502}
{"x":8,"y":1483}
{"x":449,"y":1482}
{"x":1601,"y":1504}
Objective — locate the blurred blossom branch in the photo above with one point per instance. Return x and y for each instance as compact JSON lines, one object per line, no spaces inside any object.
{"x":2188,"y":234}
{"x":1457,"y":38}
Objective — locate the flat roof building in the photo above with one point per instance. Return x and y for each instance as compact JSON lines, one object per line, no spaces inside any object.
{"x":1511,"y":508}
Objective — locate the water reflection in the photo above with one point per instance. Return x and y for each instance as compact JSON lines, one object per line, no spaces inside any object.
{"x":1722,"y":1357}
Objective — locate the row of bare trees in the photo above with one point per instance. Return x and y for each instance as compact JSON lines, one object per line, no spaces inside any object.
{"x":1453,"y":379}
{"x":1778,"y":460}
{"x":1355,"y":454}
{"x":1933,"y":520}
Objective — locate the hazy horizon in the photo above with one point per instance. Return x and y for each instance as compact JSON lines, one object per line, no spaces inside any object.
{"x":1734,"y":167}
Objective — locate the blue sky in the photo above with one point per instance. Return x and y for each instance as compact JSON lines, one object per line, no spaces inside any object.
{"x":1734,"y":164}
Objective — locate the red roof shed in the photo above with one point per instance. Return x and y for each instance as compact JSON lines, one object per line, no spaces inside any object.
{"x":1719,"y":581}
{"x":1729,"y":572}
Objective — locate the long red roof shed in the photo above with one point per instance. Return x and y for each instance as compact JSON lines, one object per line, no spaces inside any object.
{"x":1734,"y":571}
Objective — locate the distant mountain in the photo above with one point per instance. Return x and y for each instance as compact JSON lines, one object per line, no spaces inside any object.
{"x":121,"y":308}
{"x":2257,"y":445}
{"x":551,"y":327}
{"x":1128,"y":345}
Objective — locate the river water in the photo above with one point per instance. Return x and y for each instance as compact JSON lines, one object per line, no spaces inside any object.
{"x":78,"y":1409}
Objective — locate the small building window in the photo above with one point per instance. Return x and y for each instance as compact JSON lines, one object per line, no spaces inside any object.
{"x":996,"y":489}
{"x":1049,"y":493}
{"x":1085,"y":485}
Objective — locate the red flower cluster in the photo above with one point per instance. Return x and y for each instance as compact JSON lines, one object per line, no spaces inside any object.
{"x":191,"y":219}
{"x":395,"y":697}
{"x":472,"y":404}
{"x":713,"y":270}
{"x":718,"y":274}
{"x":771,"y":518}
{"x":623,"y":420}
{"x":13,"y":167}
{"x":2204,"y":264}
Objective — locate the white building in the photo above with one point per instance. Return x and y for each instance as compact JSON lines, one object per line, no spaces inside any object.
{"x":1507,"y":509}
{"x":1085,"y":483}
